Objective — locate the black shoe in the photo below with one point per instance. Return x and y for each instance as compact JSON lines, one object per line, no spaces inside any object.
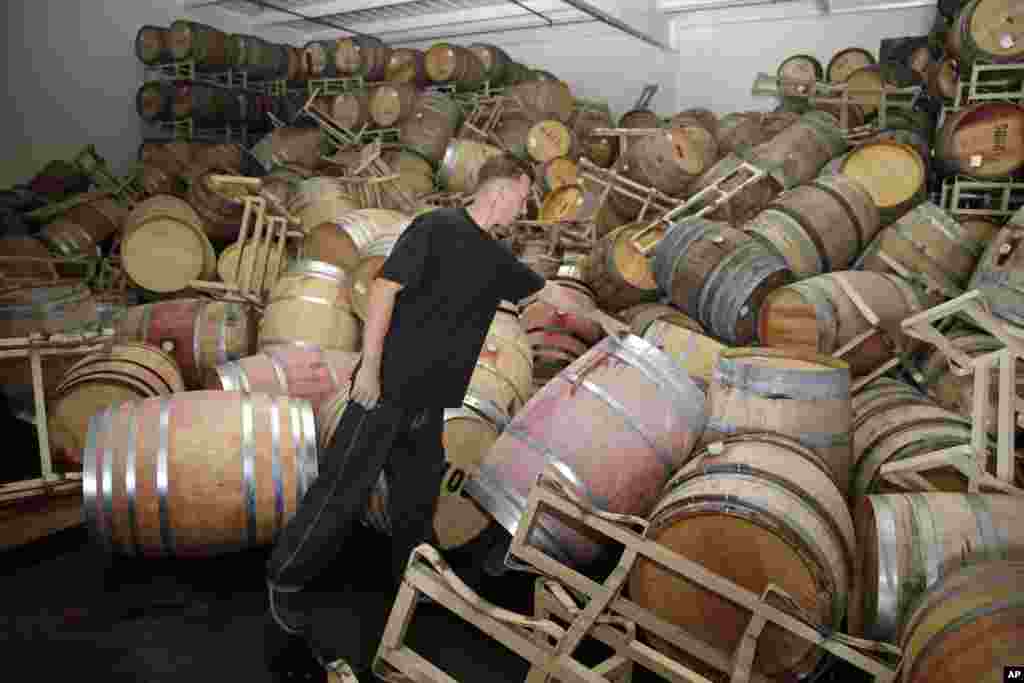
{"x":286,"y":609}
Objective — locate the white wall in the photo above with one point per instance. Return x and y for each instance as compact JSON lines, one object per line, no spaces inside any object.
{"x":597,"y":61}
{"x":721,"y":52}
{"x":71,"y":78}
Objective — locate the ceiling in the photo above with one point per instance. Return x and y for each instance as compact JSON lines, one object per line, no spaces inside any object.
{"x":410,"y":21}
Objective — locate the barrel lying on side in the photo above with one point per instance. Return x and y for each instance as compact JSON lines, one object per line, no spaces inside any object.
{"x":198,"y":473}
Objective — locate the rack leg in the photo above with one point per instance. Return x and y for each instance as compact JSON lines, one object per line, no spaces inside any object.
{"x":1007,"y":404}
{"x":42,"y":427}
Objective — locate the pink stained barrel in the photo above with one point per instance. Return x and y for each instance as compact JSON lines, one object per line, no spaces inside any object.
{"x":559,"y":337}
{"x":618,"y":421}
{"x":298,"y":371}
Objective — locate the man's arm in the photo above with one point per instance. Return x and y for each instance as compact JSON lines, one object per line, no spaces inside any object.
{"x":366,"y":388}
{"x":556,"y":296}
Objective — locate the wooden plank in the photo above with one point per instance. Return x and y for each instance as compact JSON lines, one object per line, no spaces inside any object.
{"x":1007,"y":402}
{"x":40,"y":517}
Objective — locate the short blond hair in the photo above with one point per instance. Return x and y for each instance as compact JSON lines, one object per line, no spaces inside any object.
{"x":503,"y":167}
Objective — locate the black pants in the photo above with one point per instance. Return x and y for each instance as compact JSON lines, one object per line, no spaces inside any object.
{"x":406,"y":444}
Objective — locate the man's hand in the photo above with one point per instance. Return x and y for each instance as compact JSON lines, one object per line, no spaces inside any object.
{"x":366,"y":386}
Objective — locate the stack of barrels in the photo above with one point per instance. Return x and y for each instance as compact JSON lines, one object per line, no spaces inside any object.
{"x":737,"y":415}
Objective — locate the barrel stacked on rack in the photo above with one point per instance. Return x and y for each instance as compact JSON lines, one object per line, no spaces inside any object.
{"x":744,"y":416}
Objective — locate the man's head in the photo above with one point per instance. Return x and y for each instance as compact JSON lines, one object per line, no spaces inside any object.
{"x":502,"y":189}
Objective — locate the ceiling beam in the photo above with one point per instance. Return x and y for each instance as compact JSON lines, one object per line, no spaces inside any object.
{"x":589,"y":7}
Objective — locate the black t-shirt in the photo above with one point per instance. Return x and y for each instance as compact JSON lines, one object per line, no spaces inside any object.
{"x":454,"y":276}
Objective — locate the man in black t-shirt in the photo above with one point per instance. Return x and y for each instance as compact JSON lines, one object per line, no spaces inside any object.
{"x":429,"y":312}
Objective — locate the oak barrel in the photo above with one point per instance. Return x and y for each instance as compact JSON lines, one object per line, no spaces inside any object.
{"x":363,"y":55}
{"x":819,"y":227}
{"x":909,"y":541}
{"x":549,"y":99}
{"x":153,"y":46}
{"x":319,"y":58}
{"x":503,"y":374}
{"x":982,"y":140}
{"x":309,"y":373}
{"x":200,"y":334}
{"x":990,"y":31}
{"x":204,"y":44}
{"x":893,"y":421}
{"x":560,"y":337}
{"x":799,"y":73}
{"x":746,"y":203}
{"x":125,"y":372}
{"x":46,"y":309}
{"x":687,"y":345}
{"x":618,"y":420}
{"x":197,"y":474}
{"x":407,"y":65}
{"x":261,"y":267}
{"x":165,"y":246}
{"x":432,"y":124}
{"x":669,"y":161}
{"x":548,"y":140}
{"x":603,"y":150}
{"x":756,"y":509}
{"x":392,"y":102}
{"x":321,"y":200}
{"x":929,"y":244}
{"x":311,"y":306}
{"x":847,"y":61}
{"x":462,"y":162}
{"x":894,"y":175}
{"x":640,"y":316}
{"x":495,"y":62}
{"x":219,"y":206}
{"x":796,"y":154}
{"x":816,"y":315}
{"x":804,"y":396}
{"x":967,"y":625}
{"x":618,"y":273}
{"x":350,"y":110}
{"x":449,"y":63}
{"x":999,"y":275}
{"x":718,"y":275}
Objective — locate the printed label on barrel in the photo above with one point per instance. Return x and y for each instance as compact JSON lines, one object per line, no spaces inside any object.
{"x":453,"y":480}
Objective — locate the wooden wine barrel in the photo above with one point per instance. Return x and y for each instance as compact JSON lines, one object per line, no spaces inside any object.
{"x":374,"y":231}
{"x":909,"y":541}
{"x":746,"y":203}
{"x":865,"y":86}
{"x":406,"y":65}
{"x":942,"y":78}
{"x":800,"y":73}
{"x":618,"y":273}
{"x":197,"y":474}
{"x":847,"y":61}
{"x":819,"y":227}
{"x":559,"y":337}
{"x":989,"y":32}
{"x":319,"y":56}
{"x":260,"y":267}
{"x":431,"y":125}
{"x":928,"y":241}
{"x":966,"y":626}
{"x":165,"y":246}
{"x":640,"y":316}
{"x":816,"y":315}
{"x":893,"y":174}
{"x":350,"y":110}
{"x":999,"y":275}
{"x":321,"y":200}
{"x":686,"y":344}
{"x":469,"y":432}
{"x":46,"y":309}
{"x":126,"y":372}
{"x":577,"y":203}
{"x":174,"y":156}
{"x":26,"y":247}
{"x":219,"y":206}
{"x":364,"y":56}
{"x":983,"y":140}
{"x":297,"y":72}
{"x":289,"y":146}
{"x":603,"y":150}
{"x":209,"y":105}
{"x":392,"y":102}
{"x":503,"y":374}
{"x":669,"y":161}
{"x":796,"y":154}
{"x":558,"y":172}
{"x":154,"y":101}
{"x":83,"y":227}
{"x":738,"y":130}
{"x":311,"y":374}
{"x":639,"y":118}
{"x":894,"y":421}
{"x":449,"y":63}
{"x":718,"y":275}
{"x":544,"y":99}
{"x":956,"y":393}
{"x":153,"y":46}
{"x":200,"y":334}
{"x":642,"y":416}
{"x":329,"y":243}
{"x":204,"y":44}
{"x":462,"y":162}
{"x":311,"y":306}
{"x":758,"y":509}
{"x":495,"y":61}
{"x":804,"y":396}
{"x":548,"y":140}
